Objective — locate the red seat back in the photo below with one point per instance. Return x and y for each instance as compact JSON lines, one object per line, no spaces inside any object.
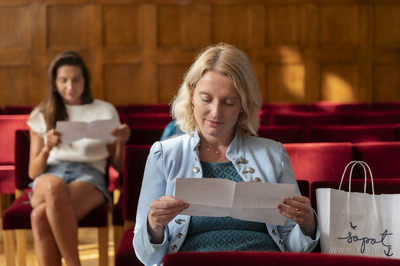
{"x":135,"y":162}
{"x":18,"y":110}
{"x":285,"y":106}
{"x":22,"y":147}
{"x":8,"y":125}
{"x":253,"y":258}
{"x":319,"y":161}
{"x":306,"y":119}
{"x":284,"y":134}
{"x":148,"y":119}
{"x":145,"y":135}
{"x":148,"y":108}
{"x":372,"y":118}
{"x":330,"y":106}
{"x":382,"y":157}
{"x":352,"y":133}
{"x":386,"y":106}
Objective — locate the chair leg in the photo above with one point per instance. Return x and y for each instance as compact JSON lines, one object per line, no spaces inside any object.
{"x":118,"y":233}
{"x":5,"y":201}
{"x":103,"y":246}
{"x":21,"y":246}
{"x":9,"y":247}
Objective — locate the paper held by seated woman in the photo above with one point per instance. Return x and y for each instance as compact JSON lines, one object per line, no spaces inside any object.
{"x":217,"y":197}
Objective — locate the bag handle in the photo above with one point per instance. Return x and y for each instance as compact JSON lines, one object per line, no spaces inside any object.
{"x":364,"y":166}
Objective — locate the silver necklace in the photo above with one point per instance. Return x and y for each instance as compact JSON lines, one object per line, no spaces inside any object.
{"x":208,"y":150}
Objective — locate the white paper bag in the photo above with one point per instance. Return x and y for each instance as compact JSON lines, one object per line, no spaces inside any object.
{"x":355,"y":223}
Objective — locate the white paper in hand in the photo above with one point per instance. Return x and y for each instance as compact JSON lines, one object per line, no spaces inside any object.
{"x":98,"y":129}
{"x":251,"y":201}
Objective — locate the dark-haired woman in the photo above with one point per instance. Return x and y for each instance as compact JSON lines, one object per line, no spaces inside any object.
{"x":68,"y":180}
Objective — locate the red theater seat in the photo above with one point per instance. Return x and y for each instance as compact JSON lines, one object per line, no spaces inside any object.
{"x":319,"y":161}
{"x":372,"y":118}
{"x":8,"y":125}
{"x":240,"y":258}
{"x":386,"y":106}
{"x":285,"y":106}
{"x":330,"y":106}
{"x":148,"y":119}
{"x":145,"y":135}
{"x":306,"y":119}
{"x":135,"y":161}
{"x":18,"y":110}
{"x":382,"y":157}
{"x":284,"y":134}
{"x":148,"y":108}
{"x":352,"y":133}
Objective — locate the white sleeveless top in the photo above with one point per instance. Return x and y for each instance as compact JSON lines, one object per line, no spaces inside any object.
{"x":91,"y":151}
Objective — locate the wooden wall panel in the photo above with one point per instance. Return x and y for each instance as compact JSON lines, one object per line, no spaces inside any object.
{"x":170,"y":79}
{"x":184,"y":27}
{"x":338,"y":82}
{"x":230,"y":25}
{"x":15,"y":27}
{"x":386,"y":26}
{"x":338,"y":26}
{"x":137,"y":51}
{"x":66,"y":26}
{"x":284,"y":26}
{"x":14,"y":85}
{"x":285,"y":82}
{"x":386,"y":82}
{"x":120,"y":26}
{"x":126,"y":90}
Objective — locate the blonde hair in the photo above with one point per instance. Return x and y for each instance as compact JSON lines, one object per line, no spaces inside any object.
{"x":228,"y":60}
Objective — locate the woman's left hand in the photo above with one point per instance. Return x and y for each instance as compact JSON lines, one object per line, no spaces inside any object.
{"x":299,"y":210}
{"x":122,"y":133}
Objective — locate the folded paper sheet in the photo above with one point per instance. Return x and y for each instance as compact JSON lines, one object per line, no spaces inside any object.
{"x":251,"y":201}
{"x":98,"y":129}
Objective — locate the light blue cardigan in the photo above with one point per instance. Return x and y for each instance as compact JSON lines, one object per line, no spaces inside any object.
{"x":255,"y":159}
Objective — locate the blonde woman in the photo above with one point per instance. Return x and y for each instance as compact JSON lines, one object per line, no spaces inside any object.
{"x":217,"y":106}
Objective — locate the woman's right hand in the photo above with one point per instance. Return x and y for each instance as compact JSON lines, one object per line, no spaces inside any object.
{"x":52,"y":138}
{"x":162,"y":211}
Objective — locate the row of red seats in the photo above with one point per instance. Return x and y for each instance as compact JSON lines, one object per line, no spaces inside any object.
{"x":332,"y":106}
{"x":315,"y":165}
{"x":147,"y":134}
{"x":331,"y":133}
{"x":303,"y":118}
{"x":330,"y":160}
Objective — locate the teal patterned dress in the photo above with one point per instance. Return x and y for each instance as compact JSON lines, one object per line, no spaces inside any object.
{"x":226,"y":233}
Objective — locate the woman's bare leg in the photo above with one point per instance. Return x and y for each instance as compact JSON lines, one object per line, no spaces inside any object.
{"x":45,"y":246}
{"x":65,"y":205}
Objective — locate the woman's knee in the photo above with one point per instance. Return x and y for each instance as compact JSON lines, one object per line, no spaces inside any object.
{"x":50,"y":189}
{"x":39,"y":217}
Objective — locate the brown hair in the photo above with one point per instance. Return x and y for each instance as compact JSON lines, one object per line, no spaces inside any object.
{"x":53,"y":107}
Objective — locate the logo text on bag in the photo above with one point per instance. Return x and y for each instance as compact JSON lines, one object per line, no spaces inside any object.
{"x":369,"y":240}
